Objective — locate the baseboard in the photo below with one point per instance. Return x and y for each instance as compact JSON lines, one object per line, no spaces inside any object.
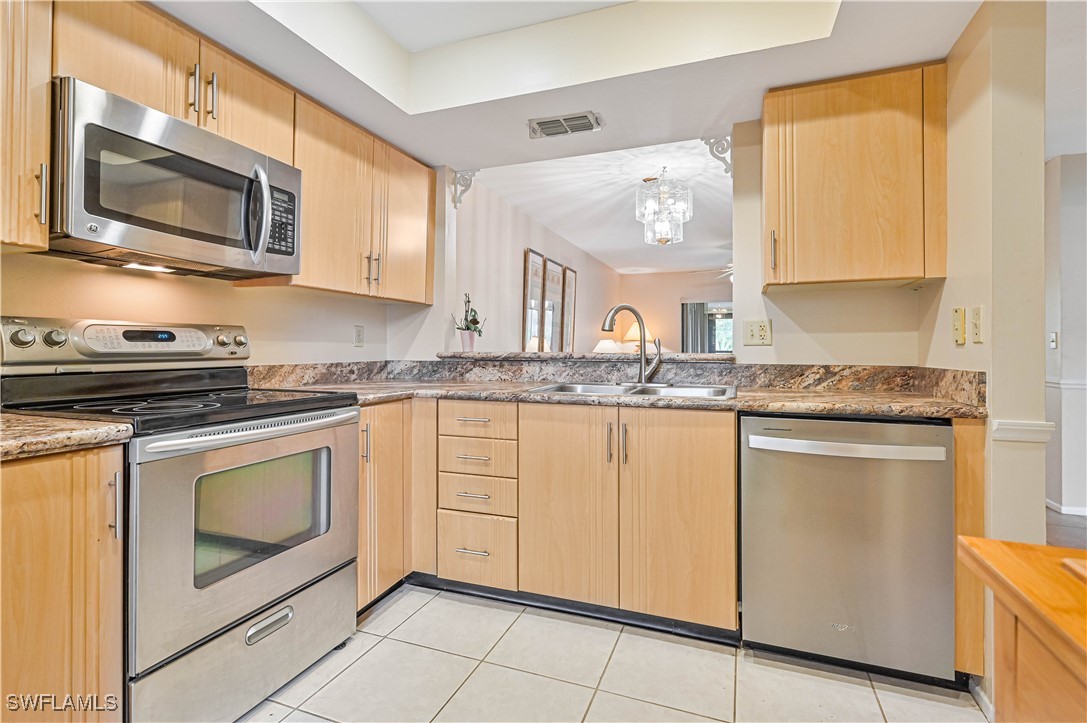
{"x":981,"y":699}
{"x":1081,"y":511}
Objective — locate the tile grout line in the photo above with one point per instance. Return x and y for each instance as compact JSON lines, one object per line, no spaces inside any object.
{"x":875,"y":692}
{"x":736,"y":684}
{"x":478,"y":663}
{"x":604,"y":670}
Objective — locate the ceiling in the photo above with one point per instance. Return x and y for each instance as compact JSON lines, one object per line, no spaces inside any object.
{"x":1066,"y":78}
{"x":423,"y":25}
{"x":589,"y":201}
{"x":691,"y":100}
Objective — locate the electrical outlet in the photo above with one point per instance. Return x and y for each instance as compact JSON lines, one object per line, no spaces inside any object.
{"x":1052,"y":340}
{"x":360,"y":335}
{"x":975,"y":325}
{"x":758,"y":333}
{"x":958,"y":325}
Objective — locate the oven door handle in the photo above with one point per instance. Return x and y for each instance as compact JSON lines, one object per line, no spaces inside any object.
{"x":249,"y":435}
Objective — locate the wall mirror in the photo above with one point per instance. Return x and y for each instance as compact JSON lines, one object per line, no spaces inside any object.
{"x":534,"y":294}
{"x":706,"y":327}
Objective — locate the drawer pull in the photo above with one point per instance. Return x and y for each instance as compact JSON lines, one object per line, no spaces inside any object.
{"x":268,"y":625}
{"x":466,"y":551}
{"x":474,"y":457}
{"x":473,"y":496}
{"x":481,"y":420}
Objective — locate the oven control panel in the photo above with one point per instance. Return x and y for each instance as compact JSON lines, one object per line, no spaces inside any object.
{"x":41,"y":345}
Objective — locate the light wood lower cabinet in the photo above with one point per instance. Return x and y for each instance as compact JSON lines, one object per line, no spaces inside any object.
{"x":480,"y":549}
{"x":568,"y":502}
{"x":25,"y":107}
{"x":61,"y":572}
{"x":677,"y":514}
{"x":381,"y":499}
{"x":471,"y":455}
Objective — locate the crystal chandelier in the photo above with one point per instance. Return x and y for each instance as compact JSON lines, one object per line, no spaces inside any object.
{"x":663,"y":205}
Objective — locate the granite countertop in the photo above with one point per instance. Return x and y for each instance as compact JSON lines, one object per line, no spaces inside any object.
{"x":24,"y":435}
{"x":785,"y":401}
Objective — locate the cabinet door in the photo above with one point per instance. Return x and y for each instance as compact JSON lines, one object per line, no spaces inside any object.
{"x":407,"y":265}
{"x":568,"y":502}
{"x":336,"y":159}
{"x":128,"y":49}
{"x":846,"y":172}
{"x":677,"y":514}
{"x":25,"y":39}
{"x":61,"y":573}
{"x":774,"y":190}
{"x":245,"y":105}
{"x":381,"y":500}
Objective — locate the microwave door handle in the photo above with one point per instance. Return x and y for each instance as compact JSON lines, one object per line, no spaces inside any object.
{"x":848,"y":449}
{"x":265,"y":218}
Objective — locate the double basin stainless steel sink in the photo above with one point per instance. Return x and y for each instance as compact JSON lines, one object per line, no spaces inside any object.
{"x":645,"y":390}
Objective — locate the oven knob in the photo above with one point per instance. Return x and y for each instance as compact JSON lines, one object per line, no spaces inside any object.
{"x":55,"y":338}
{"x":241,"y":340}
{"x":22,"y":338}
{"x":221,"y":340}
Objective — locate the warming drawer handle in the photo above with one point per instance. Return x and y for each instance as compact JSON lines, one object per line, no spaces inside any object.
{"x":848,"y":449}
{"x":249,"y":435}
{"x":267,"y":626}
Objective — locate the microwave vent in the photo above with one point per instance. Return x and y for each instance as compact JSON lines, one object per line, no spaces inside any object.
{"x":133,"y":257}
{"x":564,"y":125}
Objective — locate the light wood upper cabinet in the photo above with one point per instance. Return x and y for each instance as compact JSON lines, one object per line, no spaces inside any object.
{"x":25,"y":41}
{"x":128,"y":49}
{"x":381,"y":499}
{"x":62,"y":577}
{"x":242,"y":104}
{"x":402,"y":226}
{"x":854,"y":179}
{"x":677,"y":514}
{"x":568,"y":502}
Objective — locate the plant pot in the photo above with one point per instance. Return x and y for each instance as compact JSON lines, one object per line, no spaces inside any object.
{"x":467,"y":340}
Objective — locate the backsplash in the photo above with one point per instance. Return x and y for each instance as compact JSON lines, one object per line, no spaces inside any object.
{"x":966,"y":387}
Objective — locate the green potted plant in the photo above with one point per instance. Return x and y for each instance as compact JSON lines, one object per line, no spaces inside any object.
{"x":470,"y":326}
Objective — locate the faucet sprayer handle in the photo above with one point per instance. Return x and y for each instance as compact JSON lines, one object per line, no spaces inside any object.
{"x":656,"y":360}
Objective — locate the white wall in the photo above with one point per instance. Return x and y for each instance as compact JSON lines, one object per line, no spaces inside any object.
{"x":1066,"y":314}
{"x":286,"y":325}
{"x":658,"y":297}
{"x":491,"y":238}
{"x":809,"y":326}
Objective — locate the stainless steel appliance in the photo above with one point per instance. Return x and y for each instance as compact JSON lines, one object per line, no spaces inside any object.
{"x":240,"y":505}
{"x":132,"y":185}
{"x":847,"y":542}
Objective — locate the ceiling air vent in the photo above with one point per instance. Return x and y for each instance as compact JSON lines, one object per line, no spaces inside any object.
{"x":564,"y":125}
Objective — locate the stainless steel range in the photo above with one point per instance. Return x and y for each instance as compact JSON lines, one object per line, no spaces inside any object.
{"x":242,"y":505}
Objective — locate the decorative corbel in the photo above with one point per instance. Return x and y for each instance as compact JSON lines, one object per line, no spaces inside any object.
{"x":462,"y":181}
{"x":721,"y":149}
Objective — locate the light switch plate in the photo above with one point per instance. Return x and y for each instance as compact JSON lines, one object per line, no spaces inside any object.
{"x":1052,"y":340}
{"x":360,"y":335}
{"x":958,"y":325}
{"x":758,"y":333}
{"x":975,"y":325}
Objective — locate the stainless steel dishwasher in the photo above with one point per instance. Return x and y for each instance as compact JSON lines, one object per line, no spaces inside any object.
{"x":847,"y":540}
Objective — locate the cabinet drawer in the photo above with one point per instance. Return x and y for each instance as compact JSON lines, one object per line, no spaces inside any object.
{"x":472,"y":493}
{"x":480,"y":549}
{"x":491,"y":420}
{"x":469,"y":455}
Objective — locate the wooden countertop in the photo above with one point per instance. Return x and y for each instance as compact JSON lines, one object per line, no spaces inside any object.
{"x":1034,"y":582}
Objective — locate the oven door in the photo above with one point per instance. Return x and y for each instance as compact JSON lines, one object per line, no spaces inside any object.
{"x":137,"y":185}
{"x":226,"y":520}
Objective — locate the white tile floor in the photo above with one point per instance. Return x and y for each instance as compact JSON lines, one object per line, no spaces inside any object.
{"x":422,"y":656}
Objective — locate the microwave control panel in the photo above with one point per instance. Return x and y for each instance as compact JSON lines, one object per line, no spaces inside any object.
{"x":284,"y":226}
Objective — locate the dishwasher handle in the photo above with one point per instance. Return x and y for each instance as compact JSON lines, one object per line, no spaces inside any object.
{"x":848,"y":449}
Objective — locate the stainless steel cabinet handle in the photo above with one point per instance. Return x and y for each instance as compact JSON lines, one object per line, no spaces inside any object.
{"x":623,"y":441}
{"x":195,"y":75}
{"x":473,"y":495}
{"x":848,"y":449}
{"x":466,"y":551}
{"x":377,"y":279}
{"x":609,"y":442}
{"x":43,"y":199}
{"x":478,"y":458}
{"x":267,"y":626}
{"x":482,"y":420}
{"x":773,"y":249}
{"x":366,"y":452}
{"x":118,"y":511}
{"x":214,"y":83}
{"x":369,"y":269}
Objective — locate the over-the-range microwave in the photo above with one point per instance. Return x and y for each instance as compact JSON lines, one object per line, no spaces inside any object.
{"x":139,"y":188}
